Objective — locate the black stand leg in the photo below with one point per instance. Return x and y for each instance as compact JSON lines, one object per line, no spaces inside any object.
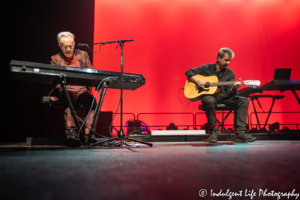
{"x":223,"y":120}
{"x":98,"y":107}
{"x":295,"y":94}
{"x":97,"y":110}
{"x":122,"y":142}
{"x":255,"y":113}
{"x":68,"y":100}
{"x":222,"y":125}
{"x":269,"y":112}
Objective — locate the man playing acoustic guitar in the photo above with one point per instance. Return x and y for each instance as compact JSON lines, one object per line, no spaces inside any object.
{"x":226,"y":95}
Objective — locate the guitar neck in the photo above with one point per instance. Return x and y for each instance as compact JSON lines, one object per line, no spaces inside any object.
{"x":225,"y":83}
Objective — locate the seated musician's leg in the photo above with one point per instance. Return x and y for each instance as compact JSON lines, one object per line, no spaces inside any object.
{"x":70,"y":125}
{"x":86,"y":98}
{"x":209,"y":104}
{"x":242,"y":104}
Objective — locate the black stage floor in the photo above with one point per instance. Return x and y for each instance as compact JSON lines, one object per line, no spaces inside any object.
{"x":292,"y":135}
{"x":168,"y":170}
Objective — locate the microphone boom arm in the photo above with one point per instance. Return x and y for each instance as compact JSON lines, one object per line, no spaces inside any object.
{"x":110,"y":42}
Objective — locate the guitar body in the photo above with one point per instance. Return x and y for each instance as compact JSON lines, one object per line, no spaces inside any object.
{"x":195,"y":93}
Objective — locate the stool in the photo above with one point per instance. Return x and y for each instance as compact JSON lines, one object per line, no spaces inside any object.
{"x":223,"y":107}
{"x":46,"y":101}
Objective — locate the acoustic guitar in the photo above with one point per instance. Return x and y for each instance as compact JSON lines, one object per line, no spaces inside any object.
{"x":194,"y":92}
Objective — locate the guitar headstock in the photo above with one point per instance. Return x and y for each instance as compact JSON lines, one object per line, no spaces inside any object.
{"x":252,"y":83}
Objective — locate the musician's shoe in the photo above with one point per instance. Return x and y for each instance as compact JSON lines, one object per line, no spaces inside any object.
{"x":213,"y":137}
{"x":244,"y":137}
{"x":72,"y":134}
{"x":90,"y":139}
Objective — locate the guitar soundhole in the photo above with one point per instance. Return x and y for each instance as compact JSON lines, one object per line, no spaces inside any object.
{"x":207,"y":85}
{"x":200,"y":89}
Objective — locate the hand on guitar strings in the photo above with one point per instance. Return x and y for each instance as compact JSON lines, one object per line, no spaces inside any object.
{"x":198,"y":81}
{"x":236,"y":85}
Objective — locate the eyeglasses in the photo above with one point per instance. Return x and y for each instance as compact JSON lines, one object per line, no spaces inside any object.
{"x":67,"y":47}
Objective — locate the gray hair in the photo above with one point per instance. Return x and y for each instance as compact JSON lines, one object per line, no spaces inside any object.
{"x":64,"y":34}
{"x":224,"y":50}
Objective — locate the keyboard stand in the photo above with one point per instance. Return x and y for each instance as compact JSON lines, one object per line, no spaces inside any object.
{"x":256,"y":97}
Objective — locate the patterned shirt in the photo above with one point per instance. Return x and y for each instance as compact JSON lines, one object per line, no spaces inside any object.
{"x":79,"y":60}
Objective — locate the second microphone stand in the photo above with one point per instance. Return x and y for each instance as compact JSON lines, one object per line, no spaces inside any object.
{"x":121,"y":135}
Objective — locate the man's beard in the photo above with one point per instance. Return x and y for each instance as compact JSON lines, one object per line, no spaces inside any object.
{"x":225,"y":65}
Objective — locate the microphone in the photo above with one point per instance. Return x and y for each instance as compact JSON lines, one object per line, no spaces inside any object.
{"x":126,"y":40}
{"x":82,"y":44}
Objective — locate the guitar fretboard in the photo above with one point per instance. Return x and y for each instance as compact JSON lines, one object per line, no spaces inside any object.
{"x":225,"y":83}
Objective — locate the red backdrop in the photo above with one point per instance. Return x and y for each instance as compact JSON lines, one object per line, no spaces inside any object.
{"x":171,"y":36}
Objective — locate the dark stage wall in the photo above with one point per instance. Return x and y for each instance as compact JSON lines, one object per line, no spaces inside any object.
{"x":173,"y":36}
{"x":32,"y":29}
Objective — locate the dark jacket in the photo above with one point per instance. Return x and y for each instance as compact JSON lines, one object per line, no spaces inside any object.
{"x":211,"y":70}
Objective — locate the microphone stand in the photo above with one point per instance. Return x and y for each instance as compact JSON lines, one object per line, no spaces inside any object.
{"x":121,"y":135}
{"x":121,"y":132}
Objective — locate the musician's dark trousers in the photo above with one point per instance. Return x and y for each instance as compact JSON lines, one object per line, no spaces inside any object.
{"x":81,"y":96}
{"x":241,"y":103}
